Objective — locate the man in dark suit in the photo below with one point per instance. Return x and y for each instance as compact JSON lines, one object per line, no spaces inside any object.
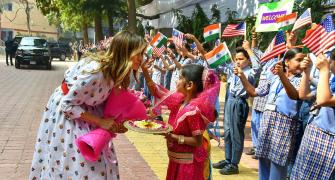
{"x":9,"y":51}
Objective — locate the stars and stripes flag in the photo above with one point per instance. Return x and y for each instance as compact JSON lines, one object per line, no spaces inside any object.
{"x":177,"y":37}
{"x":276,"y":47}
{"x":304,"y":19}
{"x":233,"y":30}
{"x":322,"y":37}
{"x":158,"y":51}
{"x":193,"y":46}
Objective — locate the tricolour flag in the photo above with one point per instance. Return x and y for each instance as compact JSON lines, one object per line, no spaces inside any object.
{"x":234,"y":30}
{"x":218,"y":55}
{"x":286,"y":22}
{"x":304,"y":19}
{"x":212,"y":32}
{"x":322,"y":37}
{"x":159,"y":40}
{"x":158,"y":51}
{"x":178,"y":37}
{"x":276,"y":47}
{"x":149,"y":50}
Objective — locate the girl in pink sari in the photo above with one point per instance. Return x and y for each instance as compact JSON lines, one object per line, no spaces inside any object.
{"x":191,"y":109}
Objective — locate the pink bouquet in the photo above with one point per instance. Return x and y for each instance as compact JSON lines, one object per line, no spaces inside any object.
{"x":122,"y":105}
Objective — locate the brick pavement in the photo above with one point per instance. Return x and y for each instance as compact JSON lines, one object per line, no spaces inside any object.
{"x":24,"y":94}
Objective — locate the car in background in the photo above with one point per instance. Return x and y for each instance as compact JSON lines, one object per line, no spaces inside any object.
{"x":33,"y":51}
{"x":60,"y":50}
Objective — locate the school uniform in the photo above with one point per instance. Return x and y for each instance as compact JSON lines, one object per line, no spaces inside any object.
{"x":277,"y":129}
{"x":316,"y":156}
{"x":259,"y":102}
{"x":237,"y":109}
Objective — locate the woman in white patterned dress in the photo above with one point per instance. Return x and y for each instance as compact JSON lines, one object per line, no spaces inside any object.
{"x":76,"y":107}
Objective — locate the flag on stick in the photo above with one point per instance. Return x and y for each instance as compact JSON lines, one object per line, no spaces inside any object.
{"x":233,"y":30}
{"x":159,"y":40}
{"x":178,"y":37}
{"x":286,"y":22}
{"x":322,"y":37}
{"x":304,"y":19}
{"x":276,"y":47}
{"x":212,"y":32}
{"x":159,"y":51}
{"x":218,"y":56}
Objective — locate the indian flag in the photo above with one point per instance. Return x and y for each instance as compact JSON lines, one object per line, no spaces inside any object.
{"x":212,"y":32}
{"x":158,"y":40}
{"x":149,"y":51}
{"x":219,"y":55}
{"x":286,"y":22}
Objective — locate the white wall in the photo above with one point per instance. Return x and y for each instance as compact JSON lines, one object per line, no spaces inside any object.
{"x":167,"y":20}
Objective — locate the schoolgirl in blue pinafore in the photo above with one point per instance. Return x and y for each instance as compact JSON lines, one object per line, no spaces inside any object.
{"x":277,"y":129}
{"x":316,"y":156}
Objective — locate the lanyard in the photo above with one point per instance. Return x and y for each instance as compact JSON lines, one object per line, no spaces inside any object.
{"x":278,"y":89}
{"x":234,"y":88}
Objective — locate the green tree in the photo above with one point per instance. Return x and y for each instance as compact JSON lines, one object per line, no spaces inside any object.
{"x":200,"y":20}
{"x":184,"y":22}
{"x":216,"y":17}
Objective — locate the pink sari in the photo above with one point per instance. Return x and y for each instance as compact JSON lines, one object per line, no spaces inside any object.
{"x":187,"y":162}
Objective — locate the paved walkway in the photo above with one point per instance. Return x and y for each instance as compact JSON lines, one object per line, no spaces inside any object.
{"x":24,"y":94}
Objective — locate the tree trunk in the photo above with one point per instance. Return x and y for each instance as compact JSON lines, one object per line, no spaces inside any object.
{"x":85,"y":32}
{"x":27,"y":10}
{"x":132,"y":16}
{"x":98,"y":27}
{"x":110,"y":24}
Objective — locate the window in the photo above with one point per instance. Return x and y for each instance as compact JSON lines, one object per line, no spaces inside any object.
{"x":8,"y":7}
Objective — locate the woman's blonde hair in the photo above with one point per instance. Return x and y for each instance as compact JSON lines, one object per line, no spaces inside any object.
{"x":116,"y":63}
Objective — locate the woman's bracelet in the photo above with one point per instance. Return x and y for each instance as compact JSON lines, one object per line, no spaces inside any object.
{"x":181,"y":139}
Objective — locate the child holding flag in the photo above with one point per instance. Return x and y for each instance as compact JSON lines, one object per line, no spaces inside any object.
{"x":237,"y":109}
{"x":316,"y":156}
{"x":278,"y":124}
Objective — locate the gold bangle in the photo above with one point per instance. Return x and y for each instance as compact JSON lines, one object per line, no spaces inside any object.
{"x":181,"y":139}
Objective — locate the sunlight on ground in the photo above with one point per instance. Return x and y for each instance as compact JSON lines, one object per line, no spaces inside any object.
{"x":153,"y":150}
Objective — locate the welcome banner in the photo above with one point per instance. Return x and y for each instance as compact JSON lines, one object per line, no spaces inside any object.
{"x":269,"y":12}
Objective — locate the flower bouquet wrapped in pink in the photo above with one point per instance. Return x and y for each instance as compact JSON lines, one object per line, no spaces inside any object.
{"x":122,"y":105}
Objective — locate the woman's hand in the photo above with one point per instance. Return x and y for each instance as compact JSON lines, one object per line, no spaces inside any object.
{"x":150,"y":113}
{"x":109,"y":124}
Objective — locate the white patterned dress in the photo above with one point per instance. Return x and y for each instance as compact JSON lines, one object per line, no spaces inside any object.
{"x":56,"y":155}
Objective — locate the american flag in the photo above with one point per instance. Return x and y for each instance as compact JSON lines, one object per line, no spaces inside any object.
{"x":322,"y":37}
{"x":158,"y":51}
{"x":178,"y":37}
{"x":194,"y":46}
{"x":303,"y":20}
{"x":234,"y":30}
{"x":276,"y":47}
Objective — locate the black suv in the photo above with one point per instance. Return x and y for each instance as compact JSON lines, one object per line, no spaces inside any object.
{"x":60,"y":50}
{"x":33,"y":51}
